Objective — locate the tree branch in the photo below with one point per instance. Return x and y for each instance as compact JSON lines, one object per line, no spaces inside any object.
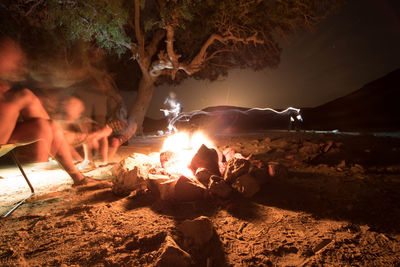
{"x":199,"y":59}
{"x":173,"y":57}
{"x":214,"y":54}
{"x":138,"y":31}
{"x":152,"y":47}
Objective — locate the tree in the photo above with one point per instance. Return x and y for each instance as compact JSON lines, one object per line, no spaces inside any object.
{"x":174,"y":39}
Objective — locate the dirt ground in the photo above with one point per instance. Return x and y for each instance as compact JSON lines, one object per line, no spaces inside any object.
{"x":338,"y":205}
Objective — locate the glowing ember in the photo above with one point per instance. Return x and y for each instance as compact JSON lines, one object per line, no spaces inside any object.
{"x":181,"y":148}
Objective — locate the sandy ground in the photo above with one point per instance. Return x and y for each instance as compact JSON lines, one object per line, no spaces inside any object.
{"x":338,"y":206}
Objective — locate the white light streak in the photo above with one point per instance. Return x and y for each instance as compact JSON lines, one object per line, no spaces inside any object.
{"x":186,"y":116}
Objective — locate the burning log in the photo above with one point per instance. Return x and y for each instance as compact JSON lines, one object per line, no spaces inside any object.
{"x":205,"y":158}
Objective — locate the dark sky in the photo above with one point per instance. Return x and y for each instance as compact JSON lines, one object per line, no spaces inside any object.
{"x":349,"y":49}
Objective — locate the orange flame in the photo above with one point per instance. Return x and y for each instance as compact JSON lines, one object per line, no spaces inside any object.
{"x":183,"y":147}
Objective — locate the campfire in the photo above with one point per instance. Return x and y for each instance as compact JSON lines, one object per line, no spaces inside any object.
{"x":190,"y":167}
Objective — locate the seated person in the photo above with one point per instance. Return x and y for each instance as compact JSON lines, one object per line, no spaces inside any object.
{"x":123,"y":129}
{"x":77,"y":132}
{"x":23,"y":117}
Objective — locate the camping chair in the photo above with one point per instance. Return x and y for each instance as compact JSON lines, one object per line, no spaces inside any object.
{"x":4,"y":149}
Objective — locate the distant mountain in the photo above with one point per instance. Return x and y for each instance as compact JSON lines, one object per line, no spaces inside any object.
{"x":374,"y":107}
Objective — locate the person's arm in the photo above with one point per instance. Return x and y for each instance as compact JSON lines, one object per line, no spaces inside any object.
{"x":96,"y":135}
{"x":29,"y":104}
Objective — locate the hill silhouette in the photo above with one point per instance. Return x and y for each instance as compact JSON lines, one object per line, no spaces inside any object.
{"x":374,"y":107}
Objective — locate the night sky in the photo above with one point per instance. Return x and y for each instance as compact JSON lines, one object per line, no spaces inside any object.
{"x":349,"y":49}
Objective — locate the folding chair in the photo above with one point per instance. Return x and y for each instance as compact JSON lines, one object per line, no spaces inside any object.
{"x":4,"y":149}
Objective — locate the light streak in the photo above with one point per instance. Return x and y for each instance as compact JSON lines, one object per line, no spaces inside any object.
{"x":294,"y":114}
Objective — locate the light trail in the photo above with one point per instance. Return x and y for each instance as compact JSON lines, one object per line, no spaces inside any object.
{"x":294,"y":114}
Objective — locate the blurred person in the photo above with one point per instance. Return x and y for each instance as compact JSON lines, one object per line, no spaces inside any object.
{"x":24,"y":119}
{"x":171,"y":110}
{"x":78,"y":132}
{"x":119,"y":125}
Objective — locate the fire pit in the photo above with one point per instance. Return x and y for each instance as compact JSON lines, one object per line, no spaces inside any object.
{"x":190,"y":167}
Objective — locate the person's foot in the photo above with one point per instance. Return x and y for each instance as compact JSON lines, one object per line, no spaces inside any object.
{"x":86,"y":165}
{"x":85,"y":181}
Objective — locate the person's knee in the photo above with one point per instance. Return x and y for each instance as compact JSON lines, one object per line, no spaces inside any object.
{"x":114,"y":142}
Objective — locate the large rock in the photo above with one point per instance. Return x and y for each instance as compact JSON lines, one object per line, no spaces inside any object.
{"x":197,"y":232}
{"x":205,"y":158}
{"x":173,"y":255}
{"x":187,"y":189}
{"x":218,"y":187}
{"x":235,"y":168}
{"x":164,"y":185}
{"x":246,"y":185}
{"x":131,"y":174}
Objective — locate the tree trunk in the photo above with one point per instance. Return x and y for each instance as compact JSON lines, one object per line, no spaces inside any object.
{"x":141,"y":103}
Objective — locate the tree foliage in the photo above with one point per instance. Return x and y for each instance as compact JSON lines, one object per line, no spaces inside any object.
{"x":246,"y":32}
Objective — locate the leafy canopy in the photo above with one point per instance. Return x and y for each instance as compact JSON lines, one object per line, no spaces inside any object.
{"x":246,"y":31}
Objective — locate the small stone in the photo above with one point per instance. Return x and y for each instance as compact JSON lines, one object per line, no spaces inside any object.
{"x":173,"y":255}
{"x":310,"y":148}
{"x":279,"y":143}
{"x":235,"y":168}
{"x":342,"y":164}
{"x":357,"y":168}
{"x":197,"y":232}
{"x":277,"y":170}
{"x":328,"y":146}
{"x":203,"y":176}
{"x":261,"y":174}
{"x":218,"y":187}
{"x":246,"y":185}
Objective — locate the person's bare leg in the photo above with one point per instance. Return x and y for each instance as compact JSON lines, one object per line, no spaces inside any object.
{"x":8,"y":118}
{"x":61,"y":151}
{"x":114,"y":145}
{"x":87,"y":162}
{"x":75,"y":155}
{"x":34,"y":129}
{"x":104,"y":149}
